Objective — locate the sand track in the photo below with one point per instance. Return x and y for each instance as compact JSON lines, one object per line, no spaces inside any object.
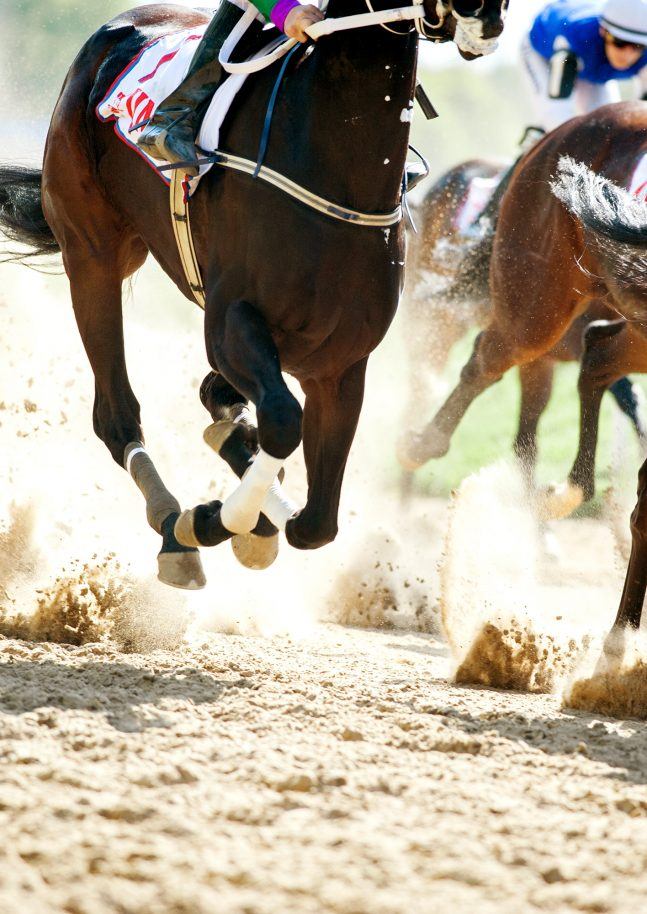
{"x":268,"y":760}
{"x":340,"y":773}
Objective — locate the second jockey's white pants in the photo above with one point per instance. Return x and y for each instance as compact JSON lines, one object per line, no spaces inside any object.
{"x":551,"y":112}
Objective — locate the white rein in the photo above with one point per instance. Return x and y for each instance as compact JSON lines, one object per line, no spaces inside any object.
{"x":328,"y":26}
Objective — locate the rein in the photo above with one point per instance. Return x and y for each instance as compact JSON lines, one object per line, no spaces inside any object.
{"x":320,"y":29}
{"x":179,"y":202}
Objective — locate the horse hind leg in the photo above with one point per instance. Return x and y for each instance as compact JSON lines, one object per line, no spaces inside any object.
{"x":95,"y":283}
{"x":612,"y":349}
{"x":241,"y":348}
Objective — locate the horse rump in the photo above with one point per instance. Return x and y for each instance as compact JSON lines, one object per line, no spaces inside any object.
{"x":21,"y":213}
{"x":616,"y":221}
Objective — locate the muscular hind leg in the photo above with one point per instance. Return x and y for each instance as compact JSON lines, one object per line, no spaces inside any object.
{"x":95,"y":285}
{"x":612,"y":349}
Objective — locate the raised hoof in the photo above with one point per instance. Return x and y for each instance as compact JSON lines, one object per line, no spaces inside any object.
{"x":202,"y":526}
{"x":414,"y":449}
{"x":181,"y":569}
{"x":557,"y":501}
{"x":256,"y":552}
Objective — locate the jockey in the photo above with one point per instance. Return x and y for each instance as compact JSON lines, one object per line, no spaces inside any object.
{"x":170,"y":135}
{"x":577,"y":50}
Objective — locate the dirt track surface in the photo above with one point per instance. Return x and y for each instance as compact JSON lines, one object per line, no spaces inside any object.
{"x":266,"y":762}
{"x":336,"y":774}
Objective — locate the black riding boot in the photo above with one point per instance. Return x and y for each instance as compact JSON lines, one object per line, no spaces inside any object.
{"x":171,"y":134}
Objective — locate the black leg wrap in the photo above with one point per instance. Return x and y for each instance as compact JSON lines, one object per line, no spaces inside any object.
{"x":169,"y":542}
{"x":207,"y":525}
{"x":236,"y":452}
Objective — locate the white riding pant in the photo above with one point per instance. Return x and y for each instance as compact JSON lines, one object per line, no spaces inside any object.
{"x":548,"y":112}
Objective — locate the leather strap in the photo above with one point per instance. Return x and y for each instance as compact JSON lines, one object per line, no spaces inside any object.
{"x":183,"y":237}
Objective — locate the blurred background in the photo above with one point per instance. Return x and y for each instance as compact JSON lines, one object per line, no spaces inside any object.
{"x":480,"y":103}
{"x":482,"y":113}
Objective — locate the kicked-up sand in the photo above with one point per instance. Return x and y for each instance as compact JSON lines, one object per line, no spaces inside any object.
{"x":241,"y":752}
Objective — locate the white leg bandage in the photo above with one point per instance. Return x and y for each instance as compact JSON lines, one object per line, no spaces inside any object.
{"x":241,"y":511}
{"x":277,"y":507}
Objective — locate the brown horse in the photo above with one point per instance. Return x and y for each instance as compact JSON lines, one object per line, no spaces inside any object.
{"x":546,"y":269}
{"x":448,"y":293}
{"x":615,"y":233}
{"x":287,"y":288}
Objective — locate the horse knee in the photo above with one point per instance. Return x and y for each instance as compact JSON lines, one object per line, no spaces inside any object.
{"x":280,"y":419}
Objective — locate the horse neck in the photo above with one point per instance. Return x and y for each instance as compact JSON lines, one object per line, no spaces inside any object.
{"x":356,"y":112}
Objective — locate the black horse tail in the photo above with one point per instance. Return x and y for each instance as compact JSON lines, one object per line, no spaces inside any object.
{"x":21,"y":212}
{"x":616,"y":221}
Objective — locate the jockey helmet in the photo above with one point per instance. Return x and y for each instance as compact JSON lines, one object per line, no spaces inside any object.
{"x":626,"y":20}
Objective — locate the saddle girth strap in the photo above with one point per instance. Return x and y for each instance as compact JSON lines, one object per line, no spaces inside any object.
{"x":184,"y":239}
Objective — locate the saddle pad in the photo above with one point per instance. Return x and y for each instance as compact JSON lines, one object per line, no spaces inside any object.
{"x":638,"y":185}
{"x":152,"y":76}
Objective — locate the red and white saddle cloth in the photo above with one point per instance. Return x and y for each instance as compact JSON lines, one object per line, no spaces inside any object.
{"x":152,"y":76}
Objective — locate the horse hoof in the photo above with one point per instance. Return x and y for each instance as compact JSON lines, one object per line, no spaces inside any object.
{"x":413,"y":450}
{"x":253,"y":551}
{"x":557,"y":501}
{"x":181,"y":569}
{"x":185,"y":529}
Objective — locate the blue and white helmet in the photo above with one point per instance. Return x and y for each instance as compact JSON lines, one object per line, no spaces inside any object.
{"x":626,"y":19}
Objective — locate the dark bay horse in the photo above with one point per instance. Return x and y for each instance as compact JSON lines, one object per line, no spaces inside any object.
{"x":448,"y":293}
{"x":287,"y":289}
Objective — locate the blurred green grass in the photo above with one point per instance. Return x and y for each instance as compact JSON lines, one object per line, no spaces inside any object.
{"x":486,"y":434}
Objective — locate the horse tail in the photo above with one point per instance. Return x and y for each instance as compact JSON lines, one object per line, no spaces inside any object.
{"x":21,"y":212}
{"x":615,"y":220}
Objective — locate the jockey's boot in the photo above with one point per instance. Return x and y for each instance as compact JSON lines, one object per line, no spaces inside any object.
{"x":171,"y":133}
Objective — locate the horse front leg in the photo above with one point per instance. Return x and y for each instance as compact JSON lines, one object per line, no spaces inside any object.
{"x":241,"y":349}
{"x":332,"y":410}
{"x":234,"y":437}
